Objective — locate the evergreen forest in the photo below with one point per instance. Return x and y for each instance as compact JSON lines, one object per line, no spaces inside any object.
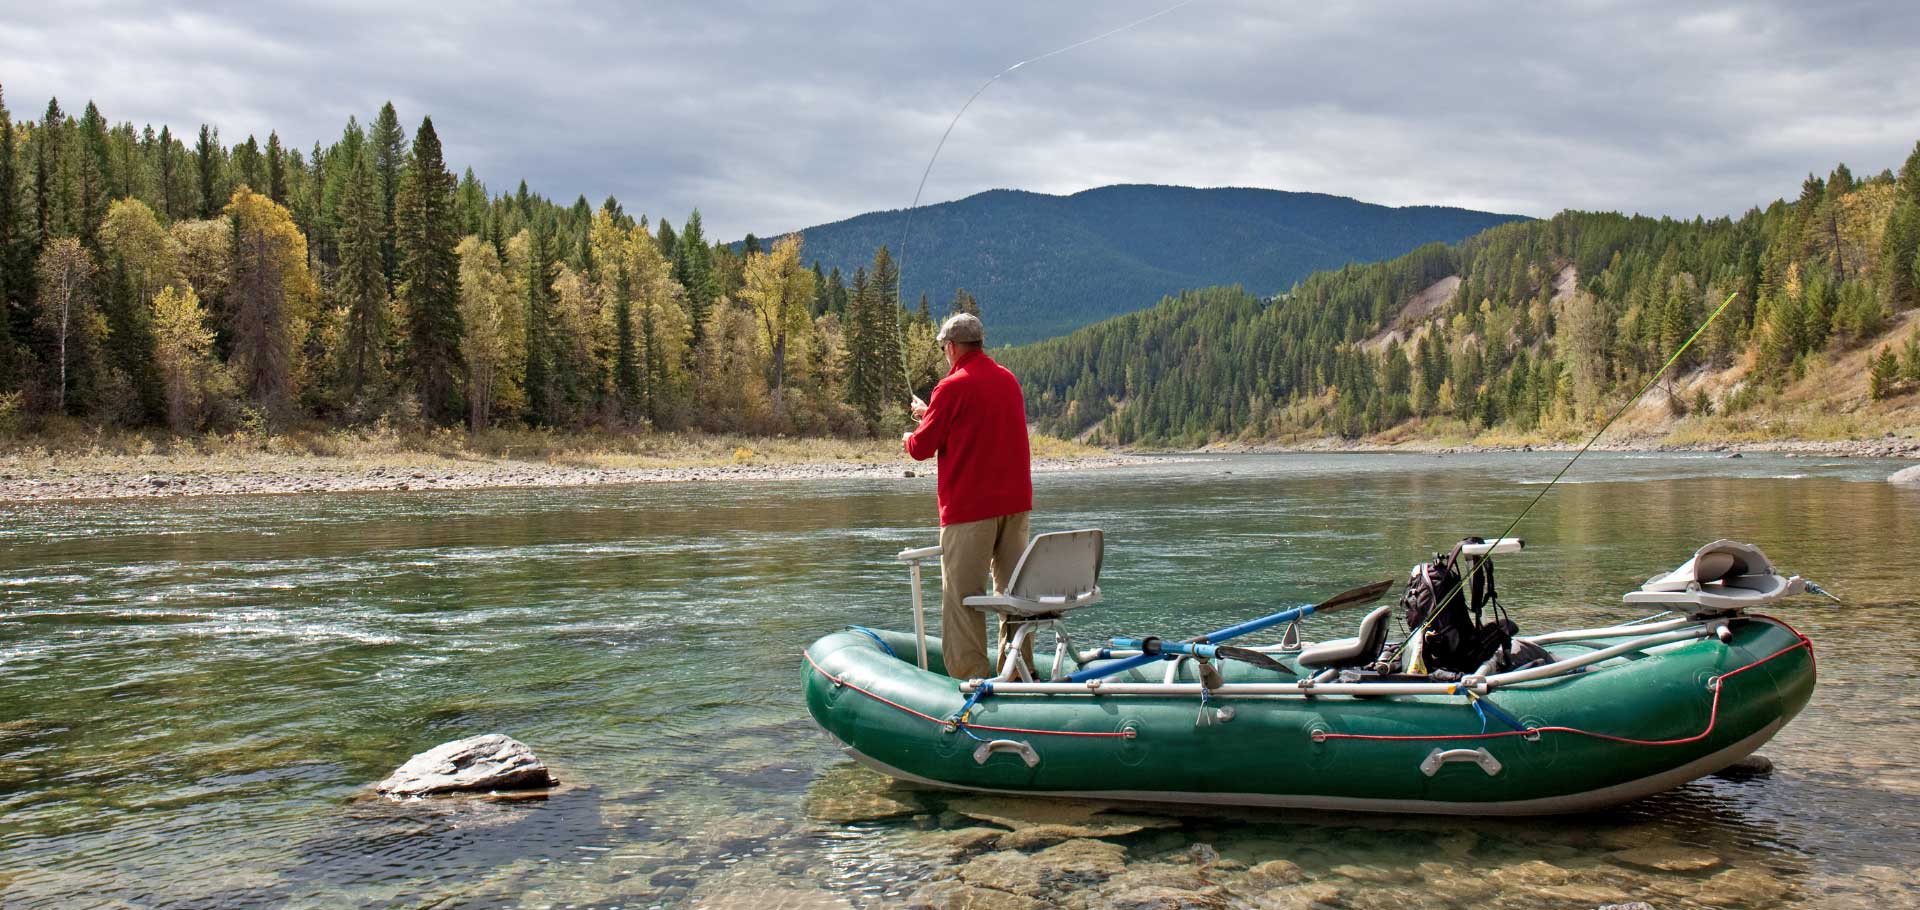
{"x":150,"y":279}
{"x":1540,"y":327}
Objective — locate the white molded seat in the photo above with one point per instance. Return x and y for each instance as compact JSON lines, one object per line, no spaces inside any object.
{"x":1346,"y":652}
{"x":1723,"y":575}
{"x":1059,"y":571}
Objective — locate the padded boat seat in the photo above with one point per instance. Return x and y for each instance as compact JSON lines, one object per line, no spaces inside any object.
{"x":1723,"y":575}
{"x":1059,"y":571}
{"x":1347,"y":652}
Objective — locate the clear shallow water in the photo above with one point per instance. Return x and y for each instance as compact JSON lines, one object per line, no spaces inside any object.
{"x":194,"y":695}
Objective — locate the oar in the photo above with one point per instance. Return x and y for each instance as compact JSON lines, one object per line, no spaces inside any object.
{"x":1153,"y":645}
{"x":1361,"y":595}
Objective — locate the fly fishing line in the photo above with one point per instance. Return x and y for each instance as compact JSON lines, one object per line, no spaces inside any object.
{"x":1507,"y":534}
{"x":906,"y":229}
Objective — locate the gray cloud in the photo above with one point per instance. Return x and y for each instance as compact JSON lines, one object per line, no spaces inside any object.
{"x":770,"y":119}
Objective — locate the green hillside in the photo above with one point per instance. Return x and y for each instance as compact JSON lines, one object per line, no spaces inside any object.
{"x":1044,"y":265}
{"x":1551,"y":326}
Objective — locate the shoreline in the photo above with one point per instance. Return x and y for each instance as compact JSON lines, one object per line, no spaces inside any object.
{"x":1885,"y":447}
{"x":79,"y":478}
{"x":109,"y":477}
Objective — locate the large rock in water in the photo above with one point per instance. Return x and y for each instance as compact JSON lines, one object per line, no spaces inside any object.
{"x":491,"y":761}
{"x":1906,"y":475}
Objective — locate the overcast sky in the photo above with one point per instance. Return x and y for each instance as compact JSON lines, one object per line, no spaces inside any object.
{"x":801,"y":113}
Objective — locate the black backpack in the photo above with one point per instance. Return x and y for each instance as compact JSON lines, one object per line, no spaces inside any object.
{"x":1458,"y":638}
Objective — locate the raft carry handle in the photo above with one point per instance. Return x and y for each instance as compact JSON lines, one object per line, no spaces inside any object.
{"x":985,"y":751}
{"x":1431,"y":764}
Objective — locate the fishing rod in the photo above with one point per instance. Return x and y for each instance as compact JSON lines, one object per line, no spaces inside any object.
{"x":900,"y":261}
{"x":1507,"y":534}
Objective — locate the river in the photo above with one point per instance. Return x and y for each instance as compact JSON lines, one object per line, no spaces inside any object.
{"x":195,"y":694}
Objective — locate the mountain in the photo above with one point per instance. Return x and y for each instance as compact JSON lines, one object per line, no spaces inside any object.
{"x":1539,"y":329}
{"x":1044,"y":265}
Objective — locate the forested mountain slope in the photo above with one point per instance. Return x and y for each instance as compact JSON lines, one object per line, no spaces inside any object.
{"x":1553,"y":324}
{"x":1043,"y":265}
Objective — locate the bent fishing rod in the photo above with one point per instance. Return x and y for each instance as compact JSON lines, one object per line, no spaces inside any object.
{"x":906,"y":229}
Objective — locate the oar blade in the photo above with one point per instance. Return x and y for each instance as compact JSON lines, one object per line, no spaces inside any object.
{"x":1256,"y":658}
{"x":1365,"y":594}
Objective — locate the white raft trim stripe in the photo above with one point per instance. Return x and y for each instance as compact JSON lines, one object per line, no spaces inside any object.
{"x":1553,"y":805}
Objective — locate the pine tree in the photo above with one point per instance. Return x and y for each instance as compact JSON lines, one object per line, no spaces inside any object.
{"x":889,"y":348}
{"x":15,"y":283}
{"x":169,"y":166}
{"x":693,"y":268}
{"x":1911,"y":369}
{"x":669,"y":244}
{"x":276,"y":170}
{"x":541,"y":272}
{"x":90,"y":177}
{"x":862,"y":379}
{"x":1884,"y":374}
{"x":963,"y":302}
{"x":836,"y":294}
{"x":388,"y":144}
{"x":129,"y":345}
{"x":429,"y":274}
{"x":207,"y":160}
{"x":360,"y":285}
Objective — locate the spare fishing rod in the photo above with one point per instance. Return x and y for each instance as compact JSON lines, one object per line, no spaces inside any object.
{"x":1507,"y":534}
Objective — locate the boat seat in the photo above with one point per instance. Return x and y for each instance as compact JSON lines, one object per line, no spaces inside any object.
{"x":1348,"y":652}
{"x":1059,"y":571}
{"x":1722,"y":576}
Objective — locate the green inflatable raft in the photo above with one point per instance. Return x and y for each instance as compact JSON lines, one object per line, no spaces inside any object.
{"x":1600,"y":717}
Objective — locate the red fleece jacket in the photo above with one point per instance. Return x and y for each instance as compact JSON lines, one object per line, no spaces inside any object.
{"x":977,"y":423}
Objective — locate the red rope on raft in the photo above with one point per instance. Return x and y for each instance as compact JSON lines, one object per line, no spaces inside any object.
{"x":944,"y":723}
{"x":1713,"y":712}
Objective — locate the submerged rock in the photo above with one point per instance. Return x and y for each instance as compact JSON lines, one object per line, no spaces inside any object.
{"x":952,"y":895}
{"x":1047,"y":835}
{"x":1274,"y":873}
{"x":1059,"y":868}
{"x":1041,"y":822}
{"x":1671,"y":858}
{"x":850,"y":793}
{"x":1751,"y":766}
{"x":491,"y":761}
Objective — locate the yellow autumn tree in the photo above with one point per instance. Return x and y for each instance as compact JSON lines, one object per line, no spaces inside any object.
{"x":183,"y":350}
{"x":484,"y":301}
{"x":273,"y":297}
{"x":780,"y":292}
{"x":133,"y":240}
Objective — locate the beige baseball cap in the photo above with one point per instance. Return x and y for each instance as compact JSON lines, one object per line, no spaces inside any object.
{"x":962,"y":328}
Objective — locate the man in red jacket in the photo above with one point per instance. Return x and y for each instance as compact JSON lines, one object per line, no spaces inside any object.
{"x":977,"y":423}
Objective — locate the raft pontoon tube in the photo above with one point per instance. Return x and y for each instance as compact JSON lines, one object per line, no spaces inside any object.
{"x":1619,"y":713}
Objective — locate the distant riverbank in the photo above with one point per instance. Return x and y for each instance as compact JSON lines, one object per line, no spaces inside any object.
{"x":132,"y":467}
{"x":1882,"y":447}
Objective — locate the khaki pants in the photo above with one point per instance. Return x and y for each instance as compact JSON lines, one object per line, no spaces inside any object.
{"x":966,"y":552}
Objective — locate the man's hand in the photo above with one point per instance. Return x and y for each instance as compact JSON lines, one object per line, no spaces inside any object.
{"x":904,"y":438}
{"x":918,"y":408}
